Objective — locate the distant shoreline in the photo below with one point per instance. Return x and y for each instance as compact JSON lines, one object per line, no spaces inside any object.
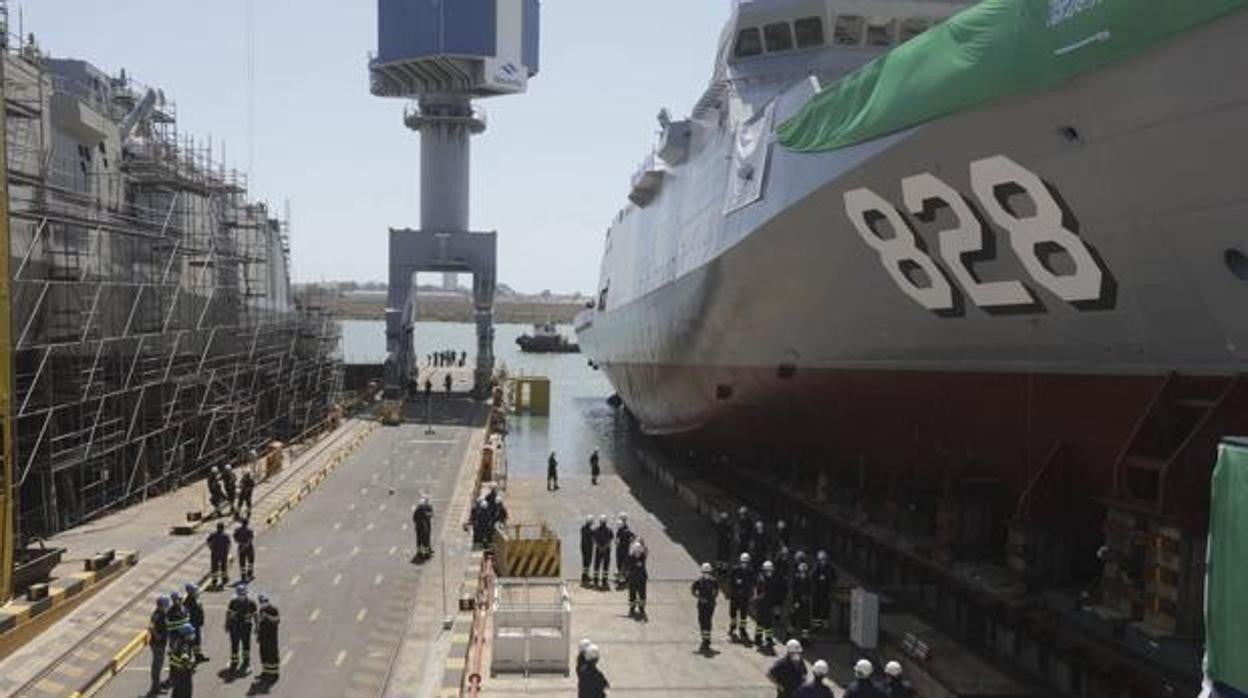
{"x":457,"y":309}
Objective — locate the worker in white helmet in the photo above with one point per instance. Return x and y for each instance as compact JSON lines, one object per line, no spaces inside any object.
{"x":740,"y":589}
{"x":895,"y":685}
{"x":768,"y":595}
{"x":706,"y":589}
{"x":581,"y":647}
{"x":587,"y":548}
{"x":817,"y":686}
{"x":788,"y":673}
{"x":590,"y":681}
{"x":862,"y":686}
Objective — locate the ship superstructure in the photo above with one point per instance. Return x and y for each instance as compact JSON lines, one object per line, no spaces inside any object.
{"x":983,"y":264}
{"x":153,"y":331}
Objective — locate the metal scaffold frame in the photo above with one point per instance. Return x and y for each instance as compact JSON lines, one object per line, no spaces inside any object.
{"x":153,"y":331}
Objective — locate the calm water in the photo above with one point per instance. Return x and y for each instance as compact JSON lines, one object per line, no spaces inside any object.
{"x":580,"y":418}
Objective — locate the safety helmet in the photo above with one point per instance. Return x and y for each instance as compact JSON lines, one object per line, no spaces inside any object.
{"x":723,"y":515}
{"x":582,"y":646}
{"x":863,"y":669}
{"x":820,"y":668}
{"x":264,"y":600}
{"x":803,"y":568}
{"x":799,"y":555}
{"x":591,"y":653}
{"x":191,"y":589}
{"x":162,"y":601}
{"x":706,"y":568}
{"x":742,"y":511}
{"x":241,"y":591}
{"x":780,"y":524}
{"x":424,"y":500}
{"x":623,"y":516}
{"x":893,"y":669}
{"x":758,"y":525}
{"x":215,"y":470}
{"x":822,"y":555}
{"x":175,"y":597}
{"x":589,"y":518}
{"x":602,"y":519}
{"x":793,"y":647}
{"x":768,"y":566}
{"x":745,"y":558}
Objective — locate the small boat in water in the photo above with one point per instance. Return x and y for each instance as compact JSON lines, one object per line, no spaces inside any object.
{"x":546,"y":339}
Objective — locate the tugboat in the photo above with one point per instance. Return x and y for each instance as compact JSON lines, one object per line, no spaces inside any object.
{"x":546,"y":340}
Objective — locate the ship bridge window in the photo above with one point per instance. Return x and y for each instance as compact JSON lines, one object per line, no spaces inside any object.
{"x":848,"y":30}
{"x":880,"y":31}
{"x":779,"y":37}
{"x":749,"y":43}
{"x":809,"y":32}
{"x":911,"y":28}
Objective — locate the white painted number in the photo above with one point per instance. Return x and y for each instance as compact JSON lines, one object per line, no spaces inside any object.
{"x":1044,"y":227}
{"x":965,"y":239}
{"x":900,"y":254}
{"x":895,"y":251}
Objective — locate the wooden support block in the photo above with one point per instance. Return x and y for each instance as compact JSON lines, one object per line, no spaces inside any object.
{"x":37,"y":592}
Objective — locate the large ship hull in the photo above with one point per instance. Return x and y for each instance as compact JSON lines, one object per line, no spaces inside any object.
{"x":796,"y":334}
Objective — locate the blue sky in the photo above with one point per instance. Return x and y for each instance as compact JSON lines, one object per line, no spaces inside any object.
{"x":549,"y":174}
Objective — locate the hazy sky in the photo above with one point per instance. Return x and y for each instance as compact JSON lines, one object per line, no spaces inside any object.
{"x":548,"y":175}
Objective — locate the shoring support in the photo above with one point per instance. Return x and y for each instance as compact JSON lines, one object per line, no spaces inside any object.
{"x":8,"y":492}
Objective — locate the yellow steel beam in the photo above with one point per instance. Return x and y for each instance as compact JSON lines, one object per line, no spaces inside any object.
{"x":8,"y":491}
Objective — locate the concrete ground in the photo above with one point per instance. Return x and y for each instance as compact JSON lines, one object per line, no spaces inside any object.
{"x":340,"y":570}
{"x":657,"y":658}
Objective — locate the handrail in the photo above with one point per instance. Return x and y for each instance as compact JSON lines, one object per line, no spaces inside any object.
{"x":1191,"y":436}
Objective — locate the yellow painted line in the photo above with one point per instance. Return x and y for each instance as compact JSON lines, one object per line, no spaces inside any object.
{"x":454,"y":662}
{"x":404,"y":527}
{"x":342,"y":655}
{"x":316,"y":613}
{"x":287,"y":656}
{"x":50,"y":686}
{"x":295,"y":580}
{"x":459,"y":637}
{"x":76,"y":672}
{"x":337,"y":578}
{"x":360,"y":616}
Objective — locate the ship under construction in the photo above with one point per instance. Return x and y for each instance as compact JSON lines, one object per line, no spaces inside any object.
{"x":147,"y":329}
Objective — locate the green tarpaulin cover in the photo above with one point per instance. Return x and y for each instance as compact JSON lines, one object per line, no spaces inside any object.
{"x":991,"y":50}
{"x":1226,"y":597}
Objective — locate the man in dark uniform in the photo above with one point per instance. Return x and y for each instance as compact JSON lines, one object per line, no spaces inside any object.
{"x":723,"y":540}
{"x":782,"y":533}
{"x":219,"y":548}
{"x":638,"y":576}
{"x":743,"y":531}
{"x":590,"y":682}
{"x":863,"y":686}
{"x":552,"y":473}
{"x":823,"y":583}
{"x":245,"y":539}
{"x":228,"y":485}
{"x":740,"y":589}
{"x":195,"y":615}
{"x":446,"y":382}
{"x":267,"y":620}
{"x":623,"y":539}
{"x":594,"y":469}
{"x":182,"y":661}
{"x":239,"y":618}
{"x":246,"y":486}
{"x":788,"y":673}
{"x":706,"y":590}
{"x":766,"y":599}
{"x":799,"y":608}
{"x":602,"y":552}
{"x":895,"y":685}
{"x":176,"y":615}
{"x":422,"y":520}
{"x":587,"y":548}
{"x":158,"y":641}
{"x":215,"y":496}
{"x":817,"y":687}
{"x":760,"y":544}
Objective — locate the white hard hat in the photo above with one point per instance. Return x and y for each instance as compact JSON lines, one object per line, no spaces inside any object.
{"x":623,"y":516}
{"x":424,"y":500}
{"x":793,"y":647}
{"x":892,"y":669}
{"x":768,"y":567}
{"x":780,"y":524}
{"x":591,"y":653}
{"x":820,"y":668}
{"x":583,"y":645}
{"x":822,"y":555}
{"x":589,"y":518}
{"x":745,"y":557}
{"x":602,"y":518}
{"x":863,"y":669}
{"x":706,"y":568}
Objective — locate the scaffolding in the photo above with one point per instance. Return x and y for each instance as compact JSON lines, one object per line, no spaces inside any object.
{"x":153,"y":331}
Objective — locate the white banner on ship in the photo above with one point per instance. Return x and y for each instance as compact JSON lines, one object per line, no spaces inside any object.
{"x":749,"y":161}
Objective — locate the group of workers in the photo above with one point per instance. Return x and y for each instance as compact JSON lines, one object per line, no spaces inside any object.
{"x":447,"y":358}
{"x":792,"y":679}
{"x":597,"y":542}
{"x":176,"y":632}
{"x":229,"y":495}
{"x":779,"y":587}
{"x":244,"y":540}
{"x":489,"y":514}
